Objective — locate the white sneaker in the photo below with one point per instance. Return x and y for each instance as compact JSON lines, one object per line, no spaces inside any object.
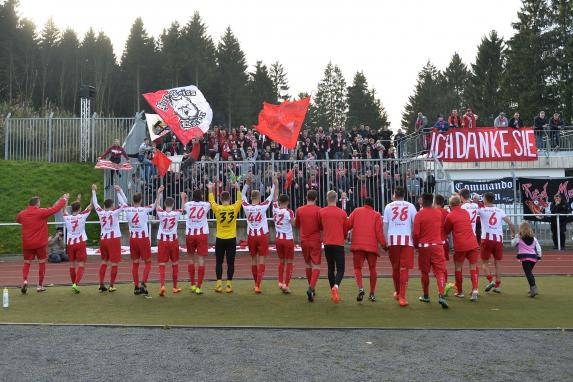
{"x":460,"y":295}
{"x":474,"y":296}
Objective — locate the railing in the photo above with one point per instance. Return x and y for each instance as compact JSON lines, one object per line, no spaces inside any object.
{"x":58,"y":139}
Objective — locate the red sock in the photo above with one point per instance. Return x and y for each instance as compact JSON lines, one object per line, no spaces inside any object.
{"x":200,"y":275}
{"x":146,"y":270}
{"x":254,"y":271}
{"x":308,"y":275}
{"x":289,"y":269}
{"x":441,"y":280}
{"x":260,"y":274}
{"x":396,"y":279}
{"x":73,"y":274}
{"x":135,"y":274}
{"x":373,"y":278}
{"x":26,"y":271}
{"x":113,"y":275}
{"x":426,"y":283}
{"x":358,"y":276}
{"x":497,"y":283}
{"x":474,"y":278}
{"x":102,"y":269}
{"x":281,"y":272}
{"x":162,"y":274}
{"x":79,"y":274}
{"x":489,"y":277}
{"x":191,"y":269}
{"x":314,"y":278}
{"x":459,"y":281}
{"x":403,"y":282}
{"x":41,"y":273}
{"x":175,"y":269}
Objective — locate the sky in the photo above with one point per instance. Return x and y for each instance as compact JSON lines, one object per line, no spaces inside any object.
{"x":390,"y":41}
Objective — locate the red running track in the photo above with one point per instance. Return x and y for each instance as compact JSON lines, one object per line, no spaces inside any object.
{"x":553,"y":263}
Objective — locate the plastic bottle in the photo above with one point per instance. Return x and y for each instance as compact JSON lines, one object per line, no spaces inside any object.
{"x":5,"y":299}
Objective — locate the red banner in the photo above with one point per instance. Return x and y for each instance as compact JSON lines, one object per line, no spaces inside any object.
{"x":486,"y":144}
{"x":105,"y":164}
{"x":282,"y":123}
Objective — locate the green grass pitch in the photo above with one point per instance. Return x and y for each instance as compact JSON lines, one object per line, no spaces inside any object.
{"x":510,"y":309}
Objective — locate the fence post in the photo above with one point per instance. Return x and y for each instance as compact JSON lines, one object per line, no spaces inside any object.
{"x":514,"y":198}
{"x":6,"y":135}
{"x":558,"y":232}
{"x":50,"y":119}
{"x":91,"y":144}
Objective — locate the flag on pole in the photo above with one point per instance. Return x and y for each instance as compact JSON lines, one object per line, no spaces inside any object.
{"x":156,"y":126}
{"x":282,"y":123}
{"x":162,"y":162}
{"x":185,"y":110}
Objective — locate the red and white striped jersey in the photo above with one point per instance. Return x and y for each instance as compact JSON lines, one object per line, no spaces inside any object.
{"x":168,"y":224}
{"x":137,"y":218}
{"x":491,"y":223}
{"x":399,"y":216}
{"x":76,"y":227}
{"x":283,"y":218}
{"x":109,"y":220}
{"x":196,"y":218}
{"x":472,"y":209}
{"x":256,"y":214}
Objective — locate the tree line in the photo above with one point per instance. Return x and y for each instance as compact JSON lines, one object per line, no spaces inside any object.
{"x":529,"y":72}
{"x":43,"y":71}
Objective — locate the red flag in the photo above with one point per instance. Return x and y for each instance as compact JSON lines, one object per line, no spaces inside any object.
{"x":289,"y":179}
{"x":185,"y":110}
{"x":282,"y":123}
{"x":161,"y":162}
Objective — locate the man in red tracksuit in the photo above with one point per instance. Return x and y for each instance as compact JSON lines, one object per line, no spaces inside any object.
{"x":428,"y":239}
{"x":34,"y":221}
{"x":465,"y":245}
{"x":439,"y":202}
{"x":367,"y":233}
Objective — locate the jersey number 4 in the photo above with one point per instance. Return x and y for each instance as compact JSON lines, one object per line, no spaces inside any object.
{"x":255,"y":218}
{"x":403,"y":213}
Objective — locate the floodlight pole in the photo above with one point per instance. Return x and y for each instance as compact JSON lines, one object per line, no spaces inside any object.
{"x":85,"y":108}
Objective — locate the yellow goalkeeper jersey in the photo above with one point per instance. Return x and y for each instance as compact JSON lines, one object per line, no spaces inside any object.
{"x":226,"y":216}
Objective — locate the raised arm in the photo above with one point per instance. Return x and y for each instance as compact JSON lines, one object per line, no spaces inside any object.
{"x":238,"y":202}
{"x":244,"y":193}
{"x":271,"y":196}
{"x":94,"y":197}
{"x":158,"y":199}
{"x":212,"y":201}
{"x":120,"y":196}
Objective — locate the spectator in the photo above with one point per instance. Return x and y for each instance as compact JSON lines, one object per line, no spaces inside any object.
{"x":555,"y":126}
{"x":500,"y":120}
{"x":562,"y":208}
{"x":423,"y":130}
{"x":430,"y":183}
{"x":469,"y":121}
{"x":144,"y":156}
{"x":57,"y":248}
{"x":345,"y":203}
{"x":540,"y":124}
{"x":399,"y":142}
{"x":454,"y":119}
{"x":173,"y":147}
{"x":441,"y":125}
{"x":115,"y":152}
{"x":516,"y":122}
{"x":413,"y":187}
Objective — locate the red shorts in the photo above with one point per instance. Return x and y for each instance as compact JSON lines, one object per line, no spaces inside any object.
{"x":140,"y":248}
{"x":447,"y":251}
{"x":311,"y":251}
{"x":489,"y":248}
{"x":77,"y":251}
{"x":285,"y":248}
{"x":401,"y":256}
{"x":471,"y":255}
{"x":197,"y":243}
{"x":110,"y":250}
{"x":432,"y":257}
{"x":258,"y":245}
{"x":31,"y":254}
{"x":358,"y":258}
{"x":167,"y":250}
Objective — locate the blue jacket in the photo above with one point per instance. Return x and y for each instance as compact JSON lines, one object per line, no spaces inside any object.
{"x":442,"y":127}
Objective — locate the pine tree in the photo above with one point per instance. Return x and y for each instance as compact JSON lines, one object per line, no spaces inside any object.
{"x":330,"y":99}
{"x":138,"y":67}
{"x":261,"y":89}
{"x":8,"y":57}
{"x":232,"y":77}
{"x":49,"y":41}
{"x":427,"y":97}
{"x":524,"y":81}
{"x":363,"y":106}
{"x":106,"y":70}
{"x":455,"y":81}
{"x":280,"y":83}
{"x":171,"y":54}
{"x":68,"y":69}
{"x":484,"y":85}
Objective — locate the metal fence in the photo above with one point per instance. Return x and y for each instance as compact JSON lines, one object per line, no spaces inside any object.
{"x":58,"y":139}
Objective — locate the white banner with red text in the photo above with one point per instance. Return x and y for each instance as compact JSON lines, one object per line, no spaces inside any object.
{"x":484,"y":144}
